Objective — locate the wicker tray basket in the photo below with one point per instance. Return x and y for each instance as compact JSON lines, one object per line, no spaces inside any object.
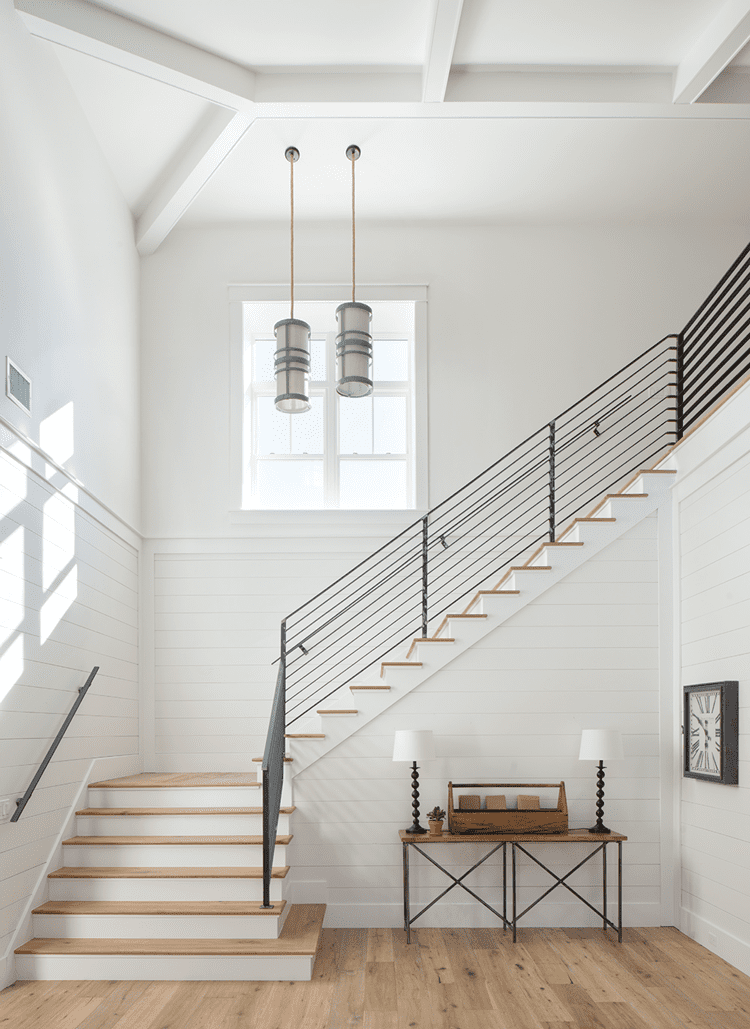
{"x":544,"y":820}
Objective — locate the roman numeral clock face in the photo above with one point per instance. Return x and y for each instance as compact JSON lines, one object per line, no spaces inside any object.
{"x":705,"y":733}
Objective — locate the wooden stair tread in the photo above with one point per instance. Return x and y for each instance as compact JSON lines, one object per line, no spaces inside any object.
{"x":338,"y":711}
{"x":531,"y":568}
{"x":448,"y":618}
{"x":369,"y":687}
{"x":398,"y":664}
{"x":626,"y":496}
{"x":428,"y":639}
{"x":176,"y":780}
{"x":106,"y":812}
{"x":300,"y":936}
{"x":176,"y":841}
{"x":260,"y":759}
{"x":155,"y":872}
{"x":157,"y":907}
{"x":494,"y":593}
{"x":304,"y":735}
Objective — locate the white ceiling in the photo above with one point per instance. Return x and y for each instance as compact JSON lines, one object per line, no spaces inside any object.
{"x":535,"y":111}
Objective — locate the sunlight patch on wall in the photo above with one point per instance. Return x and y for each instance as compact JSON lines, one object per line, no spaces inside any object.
{"x":13,"y":581}
{"x":11,"y":667}
{"x":14,"y":487}
{"x":56,"y":434}
{"x":58,"y":537}
{"x":57,"y":603}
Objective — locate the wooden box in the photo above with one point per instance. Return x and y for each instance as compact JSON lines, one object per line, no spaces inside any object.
{"x":510,"y":821}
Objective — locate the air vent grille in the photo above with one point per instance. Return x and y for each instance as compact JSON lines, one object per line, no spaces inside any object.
{"x":18,"y":386}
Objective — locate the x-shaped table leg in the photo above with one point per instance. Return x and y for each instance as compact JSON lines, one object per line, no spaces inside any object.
{"x":456,"y":882}
{"x":561,"y":882}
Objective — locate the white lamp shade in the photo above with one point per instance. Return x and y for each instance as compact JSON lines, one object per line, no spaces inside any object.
{"x":413,"y":745}
{"x":601,"y":745}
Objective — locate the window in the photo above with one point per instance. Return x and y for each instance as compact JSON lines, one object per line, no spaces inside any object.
{"x":343,"y":453}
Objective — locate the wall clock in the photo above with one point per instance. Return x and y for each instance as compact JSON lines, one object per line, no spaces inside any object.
{"x":711,"y":732}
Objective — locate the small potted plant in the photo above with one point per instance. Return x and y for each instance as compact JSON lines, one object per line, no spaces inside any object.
{"x":435,"y":818}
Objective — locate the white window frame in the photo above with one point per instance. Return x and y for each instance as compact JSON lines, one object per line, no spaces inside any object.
{"x":238,"y":295}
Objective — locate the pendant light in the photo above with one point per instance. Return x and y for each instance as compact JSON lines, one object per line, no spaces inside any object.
{"x":292,"y":361}
{"x":354,"y":341}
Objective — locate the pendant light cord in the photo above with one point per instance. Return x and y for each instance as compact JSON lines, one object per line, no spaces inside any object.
{"x":354,"y":158}
{"x":291,"y":203}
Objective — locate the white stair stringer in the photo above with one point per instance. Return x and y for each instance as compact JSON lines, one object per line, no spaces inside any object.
{"x":606,"y":522}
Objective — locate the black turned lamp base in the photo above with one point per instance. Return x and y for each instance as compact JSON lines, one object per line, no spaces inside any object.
{"x":415,"y":828}
{"x":600,"y":826}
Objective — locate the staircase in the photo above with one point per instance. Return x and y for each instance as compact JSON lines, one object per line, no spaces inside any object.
{"x":488,"y":608}
{"x":164,"y":882}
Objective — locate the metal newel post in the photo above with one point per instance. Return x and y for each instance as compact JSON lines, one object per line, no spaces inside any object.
{"x":552,"y":481}
{"x":679,"y":428}
{"x":424,"y":576}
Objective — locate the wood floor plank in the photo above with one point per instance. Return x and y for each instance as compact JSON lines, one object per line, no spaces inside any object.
{"x":440,"y":980}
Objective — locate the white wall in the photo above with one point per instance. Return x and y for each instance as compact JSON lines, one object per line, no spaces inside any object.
{"x":714,"y":514}
{"x":70,"y":274}
{"x":521,"y":322}
{"x":69,"y":601}
{"x":69,"y":566}
{"x":509,"y":709}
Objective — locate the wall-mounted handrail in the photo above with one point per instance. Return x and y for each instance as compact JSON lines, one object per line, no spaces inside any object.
{"x":23,"y":801}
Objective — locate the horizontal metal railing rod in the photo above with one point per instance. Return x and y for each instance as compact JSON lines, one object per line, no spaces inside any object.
{"x":541,"y":444}
{"x":363,"y":588}
{"x":563,"y":435}
{"x":539,"y":511}
{"x":609,"y":444}
{"x":694,"y":380}
{"x":579,"y":418}
{"x":21,"y":802}
{"x":735,"y":269}
{"x":412,"y":525}
{"x":718,"y":379}
{"x":718,"y":319}
{"x":493,"y":505}
{"x":716,"y":331}
{"x":695,"y":415}
{"x":707,"y":314}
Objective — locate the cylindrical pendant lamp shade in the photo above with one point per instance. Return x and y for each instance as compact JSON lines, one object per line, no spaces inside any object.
{"x":600,"y":745}
{"x":292,"y":365}
{"x":354,"y":350}
{"x":413,"y":745}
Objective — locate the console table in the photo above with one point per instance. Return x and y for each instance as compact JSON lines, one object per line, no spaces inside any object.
{"x":517,"y":842}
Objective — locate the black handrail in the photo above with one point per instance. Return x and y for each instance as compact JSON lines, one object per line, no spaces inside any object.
{"x":521,"y":501}
{"x":23,"y":801}
{"x":272,"y":771}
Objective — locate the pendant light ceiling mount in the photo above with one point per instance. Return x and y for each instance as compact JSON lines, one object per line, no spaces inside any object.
{"x":354,"y":340}
{"x":292,"y":360}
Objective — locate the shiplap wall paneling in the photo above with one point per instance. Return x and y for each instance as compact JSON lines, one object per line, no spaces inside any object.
{"x":583,"y":655}
{"x":218,"y":606}
{"x":715,"y":583}
{"x":68,"y":601}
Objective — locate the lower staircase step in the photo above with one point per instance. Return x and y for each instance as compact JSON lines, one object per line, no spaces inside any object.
{"x":172,"y":841}
{"x":156,"y":907}
{"x":157,"y":872}
{"x":106,"y":812}
{"x":290,"y":957}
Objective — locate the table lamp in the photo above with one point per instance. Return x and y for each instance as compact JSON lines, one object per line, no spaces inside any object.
{"x":414,"y":745}
{"x":600,"y":745}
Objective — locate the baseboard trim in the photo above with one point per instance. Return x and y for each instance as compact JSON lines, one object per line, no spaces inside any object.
{"x":725,"y":945}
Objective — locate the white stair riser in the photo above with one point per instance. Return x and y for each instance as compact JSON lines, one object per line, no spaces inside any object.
{"x":158,"y":927}
{"x":163,"y":889}
{"x":160,"y":967}
{"x":631,"y":510}
{"x":169,"y":855}
{"x":175,"y":825}
{"x":236,"y":796}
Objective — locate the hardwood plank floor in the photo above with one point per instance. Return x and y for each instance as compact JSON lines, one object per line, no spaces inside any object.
{"x":446,"y":979}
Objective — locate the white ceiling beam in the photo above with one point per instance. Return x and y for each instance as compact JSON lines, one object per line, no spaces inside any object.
{"x":109,"y":37}
{"x":440,"y":52}
{"x":719,"y":44}
{"x":204,"y":154}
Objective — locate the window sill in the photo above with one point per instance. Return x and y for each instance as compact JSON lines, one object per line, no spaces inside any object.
{"x":400,"y":517}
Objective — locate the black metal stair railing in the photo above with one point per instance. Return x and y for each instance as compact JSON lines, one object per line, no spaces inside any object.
{"x":521,"y":501}
{"x":464,"y":542}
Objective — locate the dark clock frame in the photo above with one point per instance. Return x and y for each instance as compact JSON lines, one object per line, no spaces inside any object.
{"x":729,"y":706}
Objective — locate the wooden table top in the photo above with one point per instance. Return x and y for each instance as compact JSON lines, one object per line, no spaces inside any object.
{"x":488,"y":837}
